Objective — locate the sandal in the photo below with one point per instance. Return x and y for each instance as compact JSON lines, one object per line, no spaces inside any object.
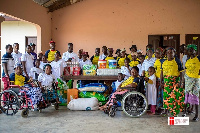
{"x":163,"y":114}
{"x":195,"y":119}
{"x":184,"y":115}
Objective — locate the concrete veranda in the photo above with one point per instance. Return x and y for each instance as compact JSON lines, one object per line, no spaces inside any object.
{"x":64,"y":120}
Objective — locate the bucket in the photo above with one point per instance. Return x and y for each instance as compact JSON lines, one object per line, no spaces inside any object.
{"x":112,"y":64}
{"x":102,"y":64}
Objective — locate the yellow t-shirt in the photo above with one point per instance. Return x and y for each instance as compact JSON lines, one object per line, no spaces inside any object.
{"x":121,"y":62}
{"x":107,"y":63}
{"x":153,"y":56}
{"x":134,"y":63}
{"x":130,"y":80}
{"x":95,"y":60}
{"x":171,"y":68}
{"x":130,"y":57}
{"x":192,"y":67}
{"x":157,"y":66}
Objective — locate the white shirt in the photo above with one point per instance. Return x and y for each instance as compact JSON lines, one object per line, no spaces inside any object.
{"x":68,"y":55}
{"x":34,"y":72}
{"x":46,"y":80}
{"x":87,"y":62}
{"x":42,"y":65}
{"x":140,"y":69}
{"x":152,"y":91}
{"x":148,"y":63}
{"x":117,"y":83}
{"x":29,"y":59}
{"x":125,"y":71}
{"x":17,"y":57}
{"x":58,"y":68}
{"x":102,"y":57}
{"x":184,"y":59}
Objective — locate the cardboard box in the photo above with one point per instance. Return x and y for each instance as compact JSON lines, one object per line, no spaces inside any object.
{"x":72,"y":94}
{"x":89,"y":72}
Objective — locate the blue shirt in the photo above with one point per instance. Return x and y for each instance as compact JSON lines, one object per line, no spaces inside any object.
{"x":9,"y":60}
{"x":35,"y":57}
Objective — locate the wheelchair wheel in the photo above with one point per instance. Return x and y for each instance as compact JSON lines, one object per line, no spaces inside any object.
{"x":134,"y":104}
{"x":25,"y":113}
{"x":56,"y":106}
{"x":10,"y":104}
{"x":112,"y":111}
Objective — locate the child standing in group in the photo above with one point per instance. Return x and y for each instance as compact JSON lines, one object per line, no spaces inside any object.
{"x":134,"y":61}
{"x":58,"y":66}
{"x":109,"y":57}
{"x":94,"y":59}
{"x":43,"y":62}
{"x":104,"y":53}
{"x":126,"y":70}
{"x":35,"y":71}
{"x":116,"y":84}
{"x":85,"y":61}
{"x":120,"y":62}
{"x":51,"y":52}
{"x":141,"y":58}
{"x":16,"y":54}
{"x":27,"y":60}
{"x":80,"y":51}
{"x":40,"y":54}
{"x":151,"y":89}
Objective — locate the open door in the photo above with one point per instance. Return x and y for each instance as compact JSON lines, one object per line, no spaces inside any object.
{"x":31,"y":39}
{"x":168,"y":40}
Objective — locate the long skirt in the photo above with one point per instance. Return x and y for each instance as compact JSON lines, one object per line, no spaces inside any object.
{"x":192,"y":90}
{"x":173,"y":96}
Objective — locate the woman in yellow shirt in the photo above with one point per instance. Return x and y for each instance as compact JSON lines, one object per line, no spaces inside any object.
{"x":171,"y":74}
{"x":133,"y":49}
{"x":132,"y":81}
{"x":192,"y":87}
{"x":109,"y":57}
{"x":134,"y":61}
{"x":120,"y":62}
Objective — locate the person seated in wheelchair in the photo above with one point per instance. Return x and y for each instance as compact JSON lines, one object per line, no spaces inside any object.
{"x":47,"y":84}
{"x":131,"y":82}
{"x":19,"y":80}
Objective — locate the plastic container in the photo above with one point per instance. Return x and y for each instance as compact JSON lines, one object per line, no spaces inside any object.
{"x":102,"y":64}
{"x":112,"y":64}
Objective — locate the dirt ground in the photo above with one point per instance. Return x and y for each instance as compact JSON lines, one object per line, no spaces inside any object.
{"x":64,"y":120}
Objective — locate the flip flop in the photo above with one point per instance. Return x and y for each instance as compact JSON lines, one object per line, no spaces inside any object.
{"x":195,"y":119}
{"x":184,"y":115}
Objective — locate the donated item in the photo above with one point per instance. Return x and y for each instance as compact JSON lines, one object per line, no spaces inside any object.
{"x":70,"y":84}
{"x":112,"y":64}
{"x":89,"y":67}
{"x":89,"y":72}
{"x":72,"y":94}
{"x":97,"y":87}
{"x":109,"y":72}
{"x":72,"y":68}
{"x":99,"y":96}
{"x":62,"y":92}
{"x":76,"y":70}
{"x":102,"y":64}
{"x":83,"y":104}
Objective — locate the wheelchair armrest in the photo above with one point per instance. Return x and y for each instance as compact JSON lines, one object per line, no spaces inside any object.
{"x":14,"y":86}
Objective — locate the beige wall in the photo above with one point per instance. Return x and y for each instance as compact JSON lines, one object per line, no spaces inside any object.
{"x":30,"y":11}
{"x":15,"y":31}
{"x":121,"y":23}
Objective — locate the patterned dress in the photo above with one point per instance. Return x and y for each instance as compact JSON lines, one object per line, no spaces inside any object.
{"x":173,"y":95}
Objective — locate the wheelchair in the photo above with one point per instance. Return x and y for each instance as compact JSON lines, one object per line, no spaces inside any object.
{"x":49,"y":95}
{"x":133,"y":102}
{"x":14,"y":99}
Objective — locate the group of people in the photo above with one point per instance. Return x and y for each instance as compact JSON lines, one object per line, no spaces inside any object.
{"x":171,"y":83}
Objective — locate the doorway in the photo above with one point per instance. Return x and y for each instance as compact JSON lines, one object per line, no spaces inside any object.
{"x":31,"y":39}
{"x":164,"y":41}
